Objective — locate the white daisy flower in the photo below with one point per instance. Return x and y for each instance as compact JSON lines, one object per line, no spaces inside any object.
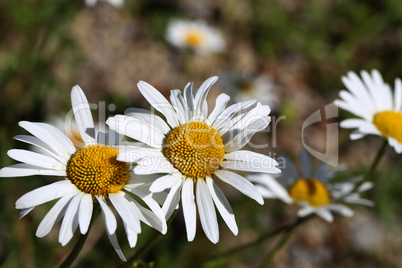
{"x":312,"y":190}
{"x":115,"y":3}
{"x":196,"y":35}
{"x":261,"y":88}
{"x":371,"y":99}
{"x":92,"y":174}
{"x":193,"y":149}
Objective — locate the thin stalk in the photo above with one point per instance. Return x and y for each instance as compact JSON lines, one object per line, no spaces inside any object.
{"x":148,"y":246}
{"x":79,"y":245}
{"x":259,"y":240}
{"x":285,"y":237}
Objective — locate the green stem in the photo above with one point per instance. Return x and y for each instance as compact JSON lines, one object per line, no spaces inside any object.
{"x":79,"y":245}
{"x":259,"y":240}
{"x":148,"y":246}
{"x":285,"y":237}
{"x":373,"y":167}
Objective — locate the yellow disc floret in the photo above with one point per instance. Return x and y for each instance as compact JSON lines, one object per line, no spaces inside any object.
{"x":195,"y":149}
{"x":95,"y":170}
{"x":311,"y":191}
{"x":389,"y":123}
{"x":194,"y":38}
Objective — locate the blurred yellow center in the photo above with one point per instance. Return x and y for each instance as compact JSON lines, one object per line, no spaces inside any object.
{"x":311,"y":191}
{"x":95,"y":170}
{"x":389,"y":123}
{"x":195,"y":149}
{"x":194,"y":38}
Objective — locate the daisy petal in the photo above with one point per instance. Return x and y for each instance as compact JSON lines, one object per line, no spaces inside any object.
{"x":53,"y":216}
{"x":172,"y":200}
{"x":206,"y":209}
{"x":50,"y":135}
{"x":341,"y":209}
{"x":325,"y":214}
{"x":108,"y":217}
{"x":305,"y":211}
{"x":200,"y":98}
{"x":222,"y":205}
{"x":241,"y":184}
{"x":83,"y":116}
{"x":149,"y":117}
{"x":22,"y":170}
{"x":159,"y":102}
{"x":113,"y":240}
{"x":305,"y":164}
{"x":132,"y":236}
{"x":70,"y":220}
{"x":85,"y":213}
{"x":220,"y":105}
{"x":45,"y":194}
{"x":123,"y":207}
{"x":272,"y":185}
{"x":36,"y":159}
{"x":250,"y":161}
{"x":165,"y":182}
{"x":189,"y":209}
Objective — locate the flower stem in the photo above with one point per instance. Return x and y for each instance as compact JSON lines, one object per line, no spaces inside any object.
{"x":79,"y":245}
{"x":285,"y":237}
{"x":285,"y":228}
{"x":148,"y":246}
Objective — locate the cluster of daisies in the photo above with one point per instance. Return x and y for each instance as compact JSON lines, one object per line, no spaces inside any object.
{"x":174,"y":160}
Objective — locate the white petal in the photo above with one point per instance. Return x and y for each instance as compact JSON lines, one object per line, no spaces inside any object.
{"x":135,"y":154}
{"x":132,"y":236}
{"x":189,"y":210}
{"x":113,"y":240}
{"x":222,"y":205}
{"x":152,"y":165}
{"x":289,"y":171}
{"x":172,"y":200}
{"x":201,"y":96}
{"x":45,"y":194}
{"x":206,"y":209}
{"x":228,"y":113}
{"x":189,"y":99}
{"x":25,"y":212}
{"x":85,"y":213}
{"x":305,"y":211}
{"x":165,"y":182}
{"x":272,"y":185}
{"x":123,"y":207}
{"x":41,"y":145}
{"x":341,"y":209}
{"x":159,"y":102}
{"x":179,"y":105}
{"x":220,"y":105}
{"x":53,"y":216}
{"x":325,"y":214}
{"x":70,"y":220}
{"x":148,"y":117}
{"x":22,"y":170}
{"x":50,"y":135}
{"x":83,"y":116}
{"x":250,"y":161}
{"x":398,"y":95}
{"x":241,"y":184}
{"x":36,"y":159}
{"x":137,"y":129}
{"x":244,"y":136}
{"x":108,"y":217}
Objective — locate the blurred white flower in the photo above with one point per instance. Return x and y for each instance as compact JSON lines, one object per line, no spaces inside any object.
{"x":196,"y":35}
{"x":115,"y":3}
{"x":371,"y":99}
{"x":312,"y":190}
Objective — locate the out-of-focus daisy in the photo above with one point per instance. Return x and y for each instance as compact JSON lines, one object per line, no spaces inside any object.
{"x":92,"y":174}
{"x":371,"y":99}
{"x":312,"y":190}
{"x":115,"y":3}
{"x":193,"y":149}
{"x":196,"y":35}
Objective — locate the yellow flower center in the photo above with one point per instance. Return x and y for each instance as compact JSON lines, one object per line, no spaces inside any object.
{"x":195,"y":149}
{"x":389,"y":123}
{"x":95,"y":170}
{"x":311,"y":191}
{"x":194,"y":38}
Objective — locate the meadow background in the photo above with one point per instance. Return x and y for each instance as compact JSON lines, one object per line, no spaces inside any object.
{"x":303,"y":46}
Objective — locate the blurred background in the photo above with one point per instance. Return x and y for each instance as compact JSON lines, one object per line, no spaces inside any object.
{"x":288,"y":54}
